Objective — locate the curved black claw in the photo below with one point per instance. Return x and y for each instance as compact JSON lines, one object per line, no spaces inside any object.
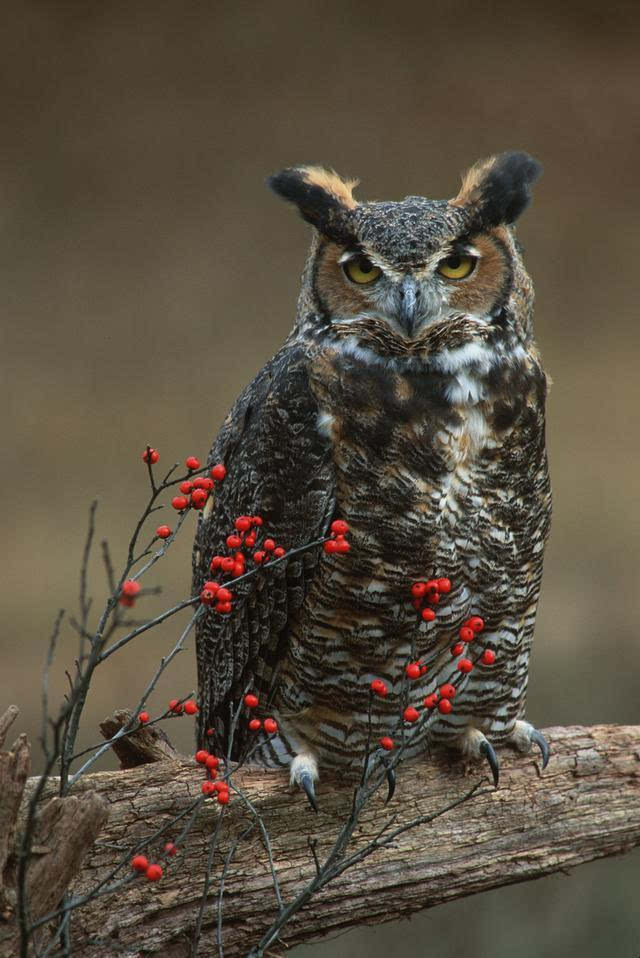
{"x":306,"y":782}
{"x":487,"y":749}
{"x":391,"y":779}
{"x":538,"y":739}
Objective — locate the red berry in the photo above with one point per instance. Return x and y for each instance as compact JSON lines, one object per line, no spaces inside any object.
{"x":279,"y":552}
{"x":255,"y":724}
{"x":433,"y":598}
{"x":186,"y":487}
{"x":243,"y":523}
{"x":223,"y":797}
{"x":139,"y":863}
{"x":154,"y":873}
{"x":444,"y":585}
{"x":207,"y":597}
{"x":227,"y":564}
{"x":465,"y":665}
{"x":379,"y":688}
{"x":330,"y":546}
{"x":418,"y":589}
{"x":339,"y":527}
{"x":202,"y":483}
{"x":150,"y":455}
{"x":131,"y":588}
{"x":387,"y":743}
{"x":258,"y":556}
{"x":216,"y":562}
{"x":250,"y":540}
{"x":411,"y":715}
{"x":444,"y":706}
{"x":179,"y":503}
{"x":458,"y":648}
{"x":270,"y":726}
{"x":342,"y":545}
{"x":212,"y":586}
{"x":224,"y":595}
{"x":212,"y":762}
{"x":208,"y":788}
{"x":432,"y":586}
{"x":190,"y":707}
{"x":210,"y":732}
{"x":143,"y":717}
{"x":175,"y":706}
{"x":218,"y":472}
{"x":488,"y":657}
{"x":251,"y":700}
{"x":413,"y":670}
{"x":428,"y":615}
{"x":466,"y":634}
{"x":198,"y":498}
{"x":170,"y":849}
{"x":201,"y":756}
{"x":447,"y":691}
{"x":220,"y":787}
{"x":234,"y":542}
{"x":431,"y":701}
{"x":268,"y":545}
{"x":163,"y":532}
{"x":256,"y":520}
{"x":424,"y":669}
{"x":192,"y":463}
{"x":223,"y":607}
{"x":475,"y":623}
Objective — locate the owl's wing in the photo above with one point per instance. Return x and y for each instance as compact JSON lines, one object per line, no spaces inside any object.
{"x":279,"y":467}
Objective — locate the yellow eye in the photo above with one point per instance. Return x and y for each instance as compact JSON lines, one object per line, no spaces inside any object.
{"x":361,"y":270}
{"x":457,"y":267}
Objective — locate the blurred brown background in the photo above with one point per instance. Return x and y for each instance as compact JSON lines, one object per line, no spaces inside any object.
{"x":146,"y":275}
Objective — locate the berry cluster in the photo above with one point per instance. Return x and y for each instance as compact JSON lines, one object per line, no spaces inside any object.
{"x":195,"y":492}
{"x":424,"y":595}
{"x":210,"y":787}
{"x":241,"y":544}
{"x":427,"y":594}
{"x":269,"y":725}
{"x":338,"y":542}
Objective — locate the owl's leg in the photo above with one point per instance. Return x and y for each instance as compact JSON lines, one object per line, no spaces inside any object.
{"x":304,"y":774}
{"x":524,"y":735}
{"x":477,"y":746}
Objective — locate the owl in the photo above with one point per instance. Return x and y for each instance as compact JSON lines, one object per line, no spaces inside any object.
{"x":408,"y":400}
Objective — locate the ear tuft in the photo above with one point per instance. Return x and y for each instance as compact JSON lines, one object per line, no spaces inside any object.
{"x":499,"y":189}
{"x":323,"y":198}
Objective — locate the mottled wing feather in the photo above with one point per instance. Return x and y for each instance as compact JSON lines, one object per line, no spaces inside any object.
{"x":279,"y":467}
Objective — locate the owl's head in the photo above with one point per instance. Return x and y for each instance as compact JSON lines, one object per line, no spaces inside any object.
{"x":418,"y":275}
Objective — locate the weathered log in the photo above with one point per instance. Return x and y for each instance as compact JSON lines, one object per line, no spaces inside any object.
{"x":585,"y":805}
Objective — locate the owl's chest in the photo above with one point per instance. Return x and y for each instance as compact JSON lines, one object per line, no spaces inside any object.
{"x":401,"y":435}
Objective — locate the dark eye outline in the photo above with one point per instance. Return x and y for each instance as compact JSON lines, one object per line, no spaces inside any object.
{"x":359,"y":261}
{"x":459,"y":256}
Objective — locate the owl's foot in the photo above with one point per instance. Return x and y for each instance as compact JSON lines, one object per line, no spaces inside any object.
{"x":304,"y":774}
{"x":477,"y":746}
{"x":524,"y":735}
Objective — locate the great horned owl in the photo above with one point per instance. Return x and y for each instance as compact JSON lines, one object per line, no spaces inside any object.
{"x":409,"y":400}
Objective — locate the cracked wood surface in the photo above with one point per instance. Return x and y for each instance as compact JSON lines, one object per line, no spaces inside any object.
{"x":585,"y":805}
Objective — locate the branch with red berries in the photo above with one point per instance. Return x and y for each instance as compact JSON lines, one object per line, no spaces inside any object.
{"x":234,"y":805}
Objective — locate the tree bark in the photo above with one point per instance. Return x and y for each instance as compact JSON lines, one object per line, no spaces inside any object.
{"x":585,"y":805}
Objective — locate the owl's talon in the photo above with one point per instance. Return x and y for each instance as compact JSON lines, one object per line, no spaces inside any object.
{"x":391,"y":779}
{"x":306,"y":782}
{"x":487,"y":749}
{"x":538,"y":739}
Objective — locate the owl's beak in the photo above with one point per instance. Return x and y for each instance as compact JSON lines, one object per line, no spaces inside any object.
{"x":409,"y":295}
